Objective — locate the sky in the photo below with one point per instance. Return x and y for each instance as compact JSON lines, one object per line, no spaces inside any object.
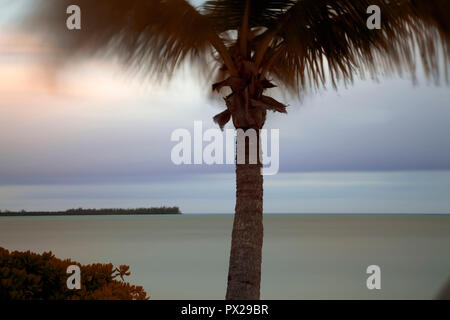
{"x":93,"y":137}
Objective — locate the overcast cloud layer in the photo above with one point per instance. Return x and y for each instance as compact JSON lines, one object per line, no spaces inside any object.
{"x":94,"y":127}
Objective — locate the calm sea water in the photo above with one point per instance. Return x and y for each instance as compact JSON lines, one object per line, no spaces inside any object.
{"x":304,"y":256}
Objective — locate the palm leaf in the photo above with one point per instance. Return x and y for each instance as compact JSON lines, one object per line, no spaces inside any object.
{"x":151,"y":36}
{"x":303,"y":44}
{"x":317,"y":41}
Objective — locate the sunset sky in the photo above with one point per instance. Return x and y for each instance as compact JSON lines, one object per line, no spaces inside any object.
{"x":88,"y":135}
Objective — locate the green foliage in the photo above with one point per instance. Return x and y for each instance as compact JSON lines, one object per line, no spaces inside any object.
{"x":32,"y":276}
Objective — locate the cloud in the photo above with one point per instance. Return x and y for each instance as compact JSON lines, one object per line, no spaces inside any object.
{"x":91,"y":125}
{"x":117,"y":131}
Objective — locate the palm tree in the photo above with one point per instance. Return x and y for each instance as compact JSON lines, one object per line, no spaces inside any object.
{"x":248,"y":47}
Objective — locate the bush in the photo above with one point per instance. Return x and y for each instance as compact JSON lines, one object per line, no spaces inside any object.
{"x":32,"y":276}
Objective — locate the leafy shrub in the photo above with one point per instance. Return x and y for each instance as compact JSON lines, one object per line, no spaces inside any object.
{"x":31,"y":276}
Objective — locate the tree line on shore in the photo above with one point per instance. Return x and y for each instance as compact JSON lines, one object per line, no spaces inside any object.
{"x":82,"y":211}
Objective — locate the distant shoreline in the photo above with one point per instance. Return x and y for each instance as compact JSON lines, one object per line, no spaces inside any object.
{"x":93,"y":212}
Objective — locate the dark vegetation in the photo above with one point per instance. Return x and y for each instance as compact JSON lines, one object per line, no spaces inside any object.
{"x":32,"y":276}
{"x":91,"y":212}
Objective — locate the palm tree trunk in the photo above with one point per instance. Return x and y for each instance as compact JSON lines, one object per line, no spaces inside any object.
{"x":244,"y":274}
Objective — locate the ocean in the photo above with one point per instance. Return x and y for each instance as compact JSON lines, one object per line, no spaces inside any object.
{"x":304,"y":256}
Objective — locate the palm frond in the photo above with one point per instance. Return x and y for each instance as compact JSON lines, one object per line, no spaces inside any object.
{"x":227,"y":14}
{"x":151,"y":36}
{"x":317,"y":41}
{"x":303,"y":44}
